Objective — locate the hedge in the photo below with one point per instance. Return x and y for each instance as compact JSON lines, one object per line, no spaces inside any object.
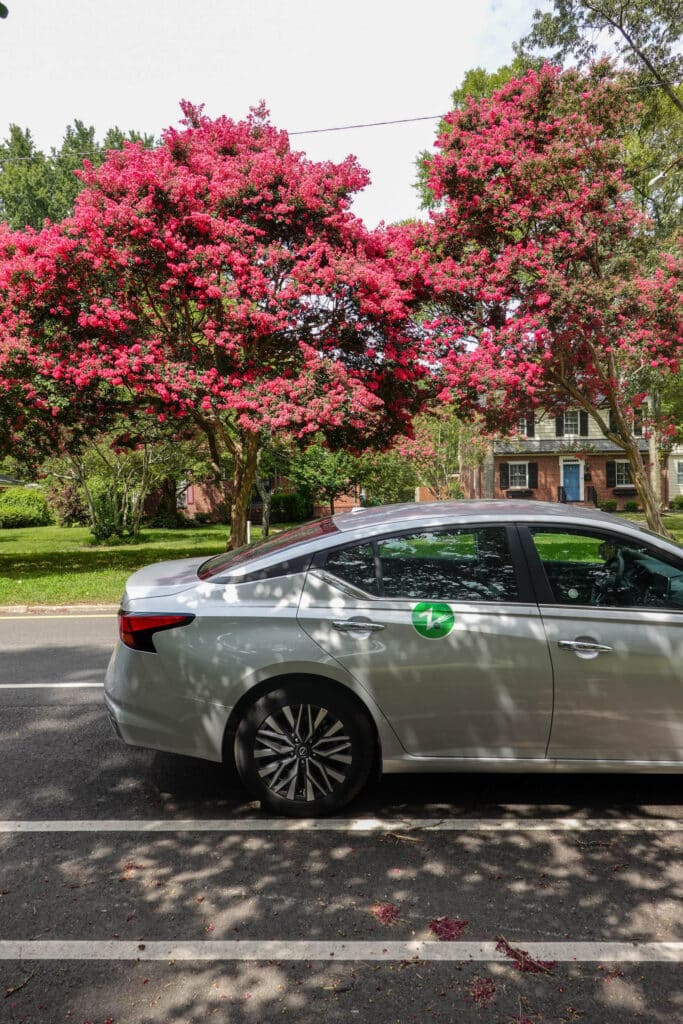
{"x":23,"y":506}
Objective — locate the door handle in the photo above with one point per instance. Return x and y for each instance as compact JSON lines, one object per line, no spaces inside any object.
{"x":355,"y":626}
{"x":584,"y":646}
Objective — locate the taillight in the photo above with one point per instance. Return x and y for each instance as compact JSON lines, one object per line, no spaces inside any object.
{"x":137,"y":631}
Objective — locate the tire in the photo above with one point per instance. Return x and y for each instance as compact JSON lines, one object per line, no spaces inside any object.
{"x":305,"y":749}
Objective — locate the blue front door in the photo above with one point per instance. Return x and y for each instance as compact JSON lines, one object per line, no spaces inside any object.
{"x":572,"y":481}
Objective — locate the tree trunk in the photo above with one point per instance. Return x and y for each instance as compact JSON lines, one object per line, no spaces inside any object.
{"x":265,"y":492}
{"x":243,"y":480}
{"x":653,"y":448}
{"x":642,"y":484}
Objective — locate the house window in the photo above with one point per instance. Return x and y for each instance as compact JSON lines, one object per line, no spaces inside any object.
{"x":622,"y":474}
{"x":637,"y":423}
{"x":679,"y":473}
{"x":571,"y":422}
{"x":526,"y":425}
{"x":519,"y":474}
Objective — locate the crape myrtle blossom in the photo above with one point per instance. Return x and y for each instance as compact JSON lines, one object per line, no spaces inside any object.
{"x":533,"y":253}
{"x":218,"y":280}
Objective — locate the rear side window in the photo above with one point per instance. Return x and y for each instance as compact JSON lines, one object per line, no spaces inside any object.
{"x":223,"y":564}
{"x":355,"y":565}
{"x":457,"y":565}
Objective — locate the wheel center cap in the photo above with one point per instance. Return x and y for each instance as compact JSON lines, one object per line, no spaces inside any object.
{"x":302,"y":751}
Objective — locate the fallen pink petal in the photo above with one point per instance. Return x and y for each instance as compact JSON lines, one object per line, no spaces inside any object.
{"x":385,"y":913}
{"x":447,"y":929}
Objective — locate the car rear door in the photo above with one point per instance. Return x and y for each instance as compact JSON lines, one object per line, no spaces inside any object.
{"x":438,"y":626}
{"x":612,"y":609}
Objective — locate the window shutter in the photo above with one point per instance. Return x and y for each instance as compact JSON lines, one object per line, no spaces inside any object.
{"x":504,"y":476}
{"x":559,"y":425}
{"x":583,"y":424}
{"x":638,"y":423}
{"x":533,"y":475}
{"x":530,"y":426}
{"x":612,"y":423}
{"x":611,"y":473}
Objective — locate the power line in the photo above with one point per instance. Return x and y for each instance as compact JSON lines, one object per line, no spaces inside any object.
{"x":309,"y":131}
{"x":368,"y":124}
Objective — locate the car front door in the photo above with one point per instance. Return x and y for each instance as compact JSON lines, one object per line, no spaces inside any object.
{"x":437,"y":625}
{"x":612,"y":608}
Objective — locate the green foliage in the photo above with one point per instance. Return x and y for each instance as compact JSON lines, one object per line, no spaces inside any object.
{"x":35,"y":186}
{"x":387,"y":477}
{"x":322,"y":474}
{"x":67,"y":505}
{"x":677,"y":503}
{"x":610,"y":505}
{"x":23,"y":506}
{"x":646,"y":34}
{"x":292,"y":508}
{"x":112,"y":476}
{"x":631,"y":506}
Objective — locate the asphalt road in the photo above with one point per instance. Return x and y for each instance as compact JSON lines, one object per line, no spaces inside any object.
{"x":139,"y":887}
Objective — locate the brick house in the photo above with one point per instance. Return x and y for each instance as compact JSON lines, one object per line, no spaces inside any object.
{"x":564,"y":458}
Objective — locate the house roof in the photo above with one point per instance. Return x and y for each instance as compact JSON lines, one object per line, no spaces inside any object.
{"x":561,"y":446}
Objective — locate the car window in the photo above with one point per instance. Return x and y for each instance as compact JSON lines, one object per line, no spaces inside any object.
{"x":458,"y":565}
{"x":600,"y":569}
{"x":355,"y":565}
{"x":228,"y":560}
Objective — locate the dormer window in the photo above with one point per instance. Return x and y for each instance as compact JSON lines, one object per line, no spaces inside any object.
{"x":526,"y":426}
{"x":572,"y":423}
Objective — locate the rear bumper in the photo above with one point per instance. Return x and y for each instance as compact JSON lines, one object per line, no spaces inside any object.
{"x":146,"y":709}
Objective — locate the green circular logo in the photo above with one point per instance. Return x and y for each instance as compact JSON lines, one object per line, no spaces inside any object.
{"x":433,"y":620}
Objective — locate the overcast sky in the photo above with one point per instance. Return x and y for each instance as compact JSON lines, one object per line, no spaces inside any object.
{"x":317,"y":64}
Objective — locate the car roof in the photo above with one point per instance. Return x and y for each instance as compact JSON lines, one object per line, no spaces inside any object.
{"x":508,"y":509}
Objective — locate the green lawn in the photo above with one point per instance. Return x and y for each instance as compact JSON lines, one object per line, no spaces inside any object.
{"x":51,"y":565}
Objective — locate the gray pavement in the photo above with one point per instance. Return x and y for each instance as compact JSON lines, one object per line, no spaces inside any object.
{"x":60,"y":762}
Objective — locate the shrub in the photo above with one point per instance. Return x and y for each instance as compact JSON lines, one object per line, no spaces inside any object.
{"x":610,"y":505}
{"x":677,"y":503}
{"x":631,"y":506}
{"x":105,"y":525}
{"x":291,"y":508}
{"x":23,"y":506}
{"x":67,"y":505}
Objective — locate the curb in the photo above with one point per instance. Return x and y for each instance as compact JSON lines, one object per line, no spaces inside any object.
{"x":58,"y":609}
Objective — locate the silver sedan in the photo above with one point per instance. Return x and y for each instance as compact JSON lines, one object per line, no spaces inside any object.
{"x":455,"y":636}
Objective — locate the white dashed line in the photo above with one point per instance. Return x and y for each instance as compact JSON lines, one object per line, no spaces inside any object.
{"x":51,"y":686}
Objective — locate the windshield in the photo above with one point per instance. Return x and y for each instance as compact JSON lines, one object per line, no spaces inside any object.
{"x":227,"y":560}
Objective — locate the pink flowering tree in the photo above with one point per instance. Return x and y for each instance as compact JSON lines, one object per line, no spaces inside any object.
{"x":218,"y":281}
{"x":532,"y":261}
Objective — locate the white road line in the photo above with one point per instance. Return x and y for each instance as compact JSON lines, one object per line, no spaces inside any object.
{"x":64,"y":615}
{"x":51,"y":686}
{"x":357,"y":825}
{"x":215,"y":950}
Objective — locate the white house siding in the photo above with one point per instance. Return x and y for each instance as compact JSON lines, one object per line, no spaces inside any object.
{"x":675,"y":472}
